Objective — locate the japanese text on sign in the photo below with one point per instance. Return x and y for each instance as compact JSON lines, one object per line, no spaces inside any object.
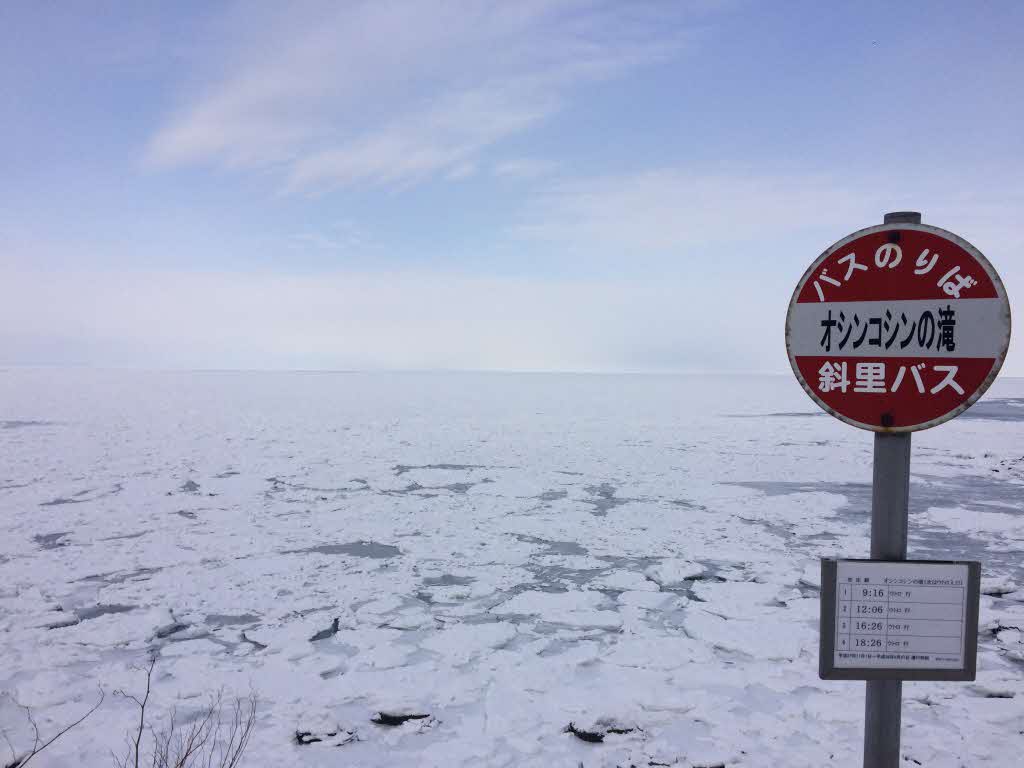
{"x":872,"y":378}
{"x":898,"y":614}
{"x":890,"y":256}
{"x":893,"y":329}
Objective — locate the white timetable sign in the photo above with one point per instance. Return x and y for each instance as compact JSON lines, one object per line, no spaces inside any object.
{"x":911,"y":620}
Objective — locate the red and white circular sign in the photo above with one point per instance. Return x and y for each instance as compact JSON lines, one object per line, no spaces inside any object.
{"x":898,"y":327}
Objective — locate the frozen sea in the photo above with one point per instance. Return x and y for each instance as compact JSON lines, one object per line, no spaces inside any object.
{"x":502,"y":554}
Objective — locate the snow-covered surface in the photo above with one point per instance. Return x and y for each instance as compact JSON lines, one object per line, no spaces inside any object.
{"x":505,"y":554}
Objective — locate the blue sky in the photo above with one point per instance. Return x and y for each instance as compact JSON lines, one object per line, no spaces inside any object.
{"x":535,"y":185}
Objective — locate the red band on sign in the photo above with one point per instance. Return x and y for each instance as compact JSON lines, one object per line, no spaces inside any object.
{"x":868,"y":395}
{"x":898,"y":264}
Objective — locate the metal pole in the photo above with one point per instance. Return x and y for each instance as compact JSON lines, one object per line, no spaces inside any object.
{"x":890,"y":494}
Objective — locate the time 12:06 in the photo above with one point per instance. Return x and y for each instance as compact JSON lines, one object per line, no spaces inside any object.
{"x":876,"y":610}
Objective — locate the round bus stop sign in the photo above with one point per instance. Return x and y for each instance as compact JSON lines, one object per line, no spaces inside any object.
{"x":898,"y":327}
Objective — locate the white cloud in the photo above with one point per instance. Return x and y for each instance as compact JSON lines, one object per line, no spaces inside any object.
{"x":746,"y":238}
{"x":658,"y":218}
{"x":711,"y":262}
{"x":673,"y":211}
{"x":524,"y":168}
{"x":461,"y":171}
{"x":378,"y":320}
{"x":391,"y":92}
{"x":344,"y":235}
{"x":444,"y":136}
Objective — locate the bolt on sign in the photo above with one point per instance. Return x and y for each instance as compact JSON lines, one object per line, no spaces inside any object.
{"x":898,"y":327}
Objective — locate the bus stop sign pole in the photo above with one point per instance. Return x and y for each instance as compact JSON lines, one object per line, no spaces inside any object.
{"x":896,"y":277}
{"x":890,"y":494}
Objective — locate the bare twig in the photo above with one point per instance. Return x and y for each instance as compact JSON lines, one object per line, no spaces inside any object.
{"x":205,"y":742}
{"x":14,"y":761}
{"x":39,"y":743}
{"x":213,"y":739}
{"x":241,"y":731}
{"x":132,"y":753}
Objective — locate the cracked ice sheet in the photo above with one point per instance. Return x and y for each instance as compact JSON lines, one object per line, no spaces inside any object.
{"x":419,"y":517}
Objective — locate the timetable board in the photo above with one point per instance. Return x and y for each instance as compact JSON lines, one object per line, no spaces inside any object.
{"x":901,"y":620}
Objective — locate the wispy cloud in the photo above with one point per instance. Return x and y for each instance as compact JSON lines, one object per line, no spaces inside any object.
{"x":443,"y":136}
{"x":658,"y":212}
{"x":391,"y":92}
{"x":524,"y":168}
{"x":398,"y":319}
{"x":677,"y":215}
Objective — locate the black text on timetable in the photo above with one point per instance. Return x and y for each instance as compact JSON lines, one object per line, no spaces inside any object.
{"x":870,"y":609}
{"x":867,"y":642}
